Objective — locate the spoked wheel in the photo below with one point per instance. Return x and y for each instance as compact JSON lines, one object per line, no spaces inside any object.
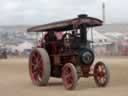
{"x":101,"y":74}
{"x":39,"y":66}
{"x":69,"y":76}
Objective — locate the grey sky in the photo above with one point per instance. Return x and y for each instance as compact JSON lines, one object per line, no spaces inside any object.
{"x":44,"y":11}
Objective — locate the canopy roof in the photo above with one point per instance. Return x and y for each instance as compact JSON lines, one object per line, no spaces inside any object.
{"x":67,"y":24}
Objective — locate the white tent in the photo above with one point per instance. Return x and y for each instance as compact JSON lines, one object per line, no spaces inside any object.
{"x":25,"y":45}
{"x":98,"y":38}
{"x":1,"y":44}
{"x":115,"y":35}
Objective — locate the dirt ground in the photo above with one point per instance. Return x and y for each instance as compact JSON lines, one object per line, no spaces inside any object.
{"x":15,"y":81}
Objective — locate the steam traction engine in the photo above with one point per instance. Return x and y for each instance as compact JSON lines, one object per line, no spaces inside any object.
{"x":70,"y":57}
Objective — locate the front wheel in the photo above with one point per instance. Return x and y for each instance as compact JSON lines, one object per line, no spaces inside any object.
{"x":39,"y":66}
{"x":101,"y":74}
{"x":69,"y":76}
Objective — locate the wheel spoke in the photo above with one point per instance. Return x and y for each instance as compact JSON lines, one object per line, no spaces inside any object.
{"x":102,"y":80}
{"x":99,"y":68}
{"x":35,"y":75}
{"x":68,"y":75}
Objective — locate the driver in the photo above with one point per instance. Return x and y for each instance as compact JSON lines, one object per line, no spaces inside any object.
{"x":50,"y":36}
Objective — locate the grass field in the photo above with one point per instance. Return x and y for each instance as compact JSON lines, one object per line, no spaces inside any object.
{"x":15,"y":81}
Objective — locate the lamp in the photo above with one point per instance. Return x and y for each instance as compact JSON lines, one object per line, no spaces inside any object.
{"x":103,"y":10}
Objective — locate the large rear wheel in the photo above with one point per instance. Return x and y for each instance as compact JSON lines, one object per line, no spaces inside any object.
{"x":69,"y":76}
{"x":39,"y":66}
{"x":101,"y":74}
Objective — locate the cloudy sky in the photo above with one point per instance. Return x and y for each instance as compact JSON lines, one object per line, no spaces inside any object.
{"x":43,"y":11}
